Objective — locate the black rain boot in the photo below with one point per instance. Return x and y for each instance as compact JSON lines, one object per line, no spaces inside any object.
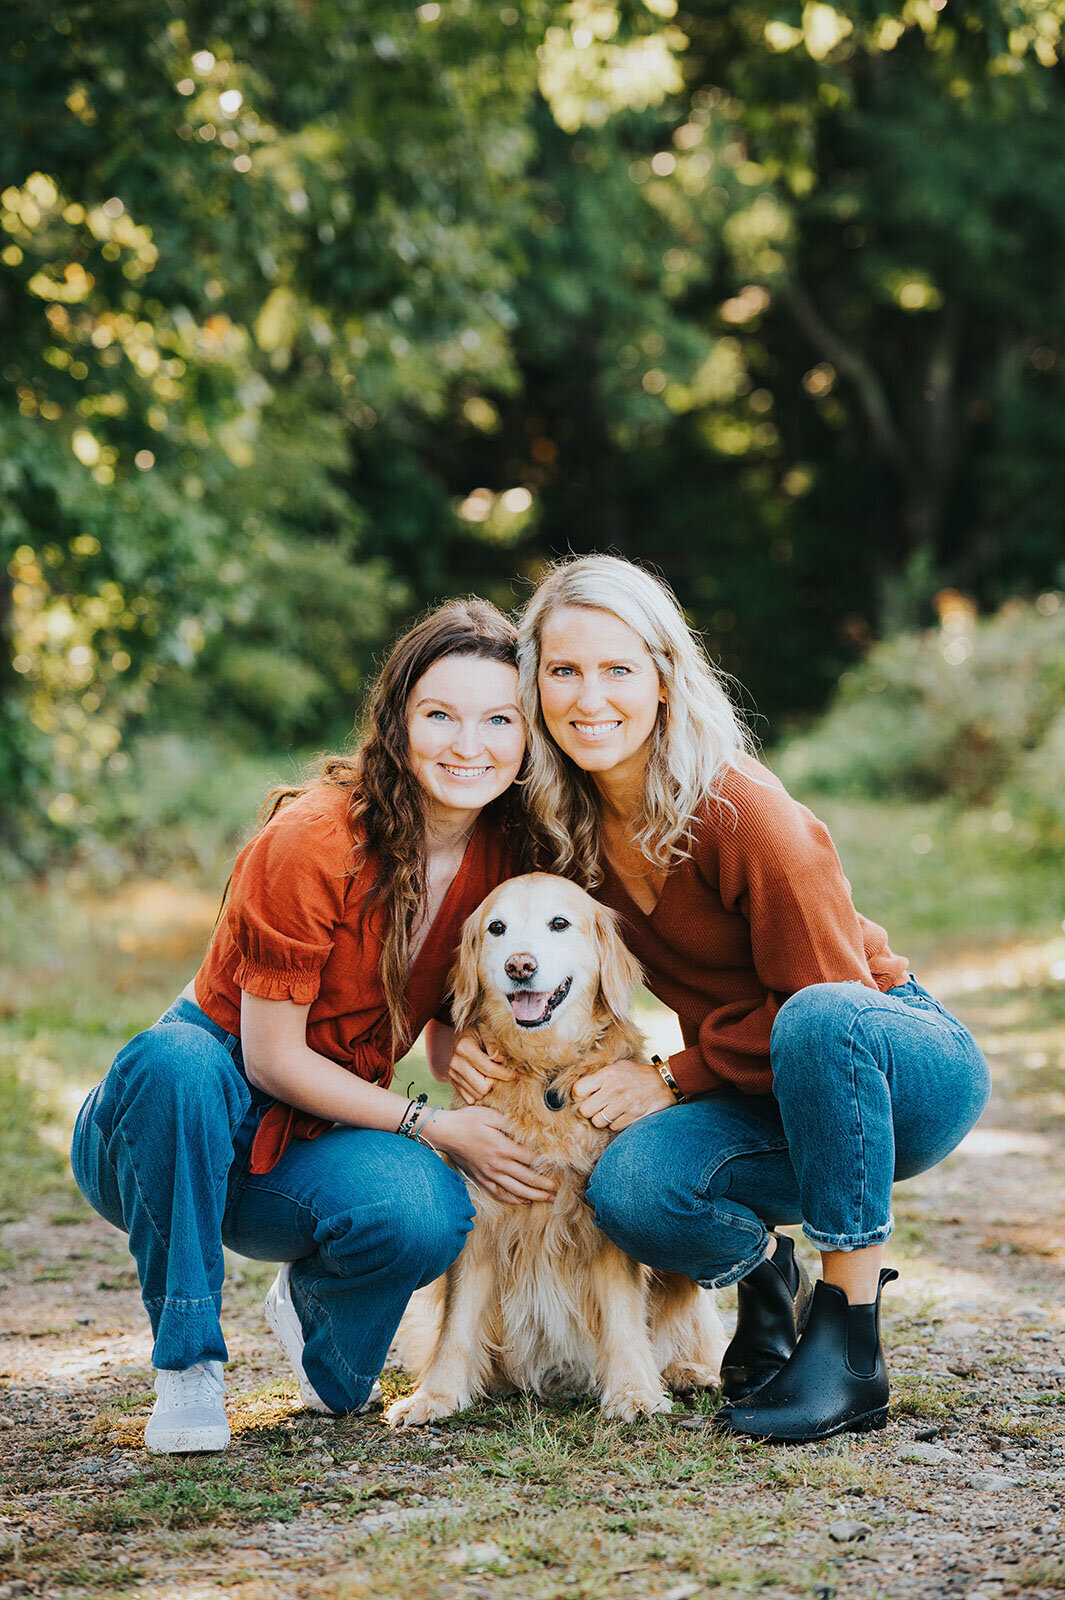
{"x":835,"y":1382}
{"x":773,"y":1301}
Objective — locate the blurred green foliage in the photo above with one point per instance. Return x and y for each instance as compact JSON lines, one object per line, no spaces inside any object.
{"x":181,"y":807}
{"x":31,"y":1171}
{"x":969,"y":712}
{"x":312,"y":314}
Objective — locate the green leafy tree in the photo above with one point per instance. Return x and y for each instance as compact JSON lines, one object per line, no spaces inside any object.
{"x":865,"y":236}
{"x":226,"y":261}
{"x":314,"y":314}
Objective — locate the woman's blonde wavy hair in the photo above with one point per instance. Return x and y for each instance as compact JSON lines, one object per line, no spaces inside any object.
{"x":698,"y":737}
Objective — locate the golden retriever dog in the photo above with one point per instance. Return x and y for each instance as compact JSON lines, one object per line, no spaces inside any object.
{"x":540,"y":1300}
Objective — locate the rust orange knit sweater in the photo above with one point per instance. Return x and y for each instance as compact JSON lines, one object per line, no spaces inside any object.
{"x":293,"y":931}
{"x":759,"y":910}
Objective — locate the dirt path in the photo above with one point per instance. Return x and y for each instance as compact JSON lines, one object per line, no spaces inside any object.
{"x":960,"y":1496}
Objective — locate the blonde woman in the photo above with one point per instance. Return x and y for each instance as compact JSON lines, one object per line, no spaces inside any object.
{"x":816,"y":1071}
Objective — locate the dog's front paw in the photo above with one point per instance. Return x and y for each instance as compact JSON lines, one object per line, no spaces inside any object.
{"x":625,"y":1405}
{"x":683,"y":1376}
{"x":415,"y":1410}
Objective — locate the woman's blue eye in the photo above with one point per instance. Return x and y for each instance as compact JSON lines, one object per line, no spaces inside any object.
{"x":500,"y":720}
{"x":562,"y":672}
{"x":623,"y":670}
{"x":438,"y":714}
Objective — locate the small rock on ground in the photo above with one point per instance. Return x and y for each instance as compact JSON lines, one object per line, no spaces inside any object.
{"x":929,"y":1455}
{"x":846,"y":1532}
{"x":992,"y":1481}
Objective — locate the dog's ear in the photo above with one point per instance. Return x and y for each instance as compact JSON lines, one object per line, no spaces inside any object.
{"x":465,"y":978}
{"x":619,"y":971}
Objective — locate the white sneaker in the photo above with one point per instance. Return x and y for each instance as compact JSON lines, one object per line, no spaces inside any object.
{"x":190,"y":1412}
{"x":283,"y":1318}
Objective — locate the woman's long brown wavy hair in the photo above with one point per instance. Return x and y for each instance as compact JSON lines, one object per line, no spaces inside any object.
{"x":386,"y":804}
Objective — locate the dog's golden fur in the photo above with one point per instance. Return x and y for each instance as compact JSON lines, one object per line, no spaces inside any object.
{"x":540,"y":1300}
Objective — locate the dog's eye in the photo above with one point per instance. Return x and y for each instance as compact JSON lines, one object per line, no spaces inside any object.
{"x":496,"y":928}
{"x":558,"y":924}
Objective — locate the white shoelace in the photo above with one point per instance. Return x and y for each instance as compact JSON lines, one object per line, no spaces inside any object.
{"x":201,"y":1385}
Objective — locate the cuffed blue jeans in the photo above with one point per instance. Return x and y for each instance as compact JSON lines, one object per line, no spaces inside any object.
{"x":161,"y":1151}
{"x":867,"y":1088}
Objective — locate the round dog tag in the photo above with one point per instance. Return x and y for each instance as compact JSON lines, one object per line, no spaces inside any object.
{"x":554,"y":1098}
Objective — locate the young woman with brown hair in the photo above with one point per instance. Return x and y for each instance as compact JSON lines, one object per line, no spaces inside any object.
{"x":256,"y":1113}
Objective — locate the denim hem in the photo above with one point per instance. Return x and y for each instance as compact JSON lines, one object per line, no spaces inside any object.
{"x":850,"y":1241}
{"x":180,"y":1302}
{"x":734,"y":1274}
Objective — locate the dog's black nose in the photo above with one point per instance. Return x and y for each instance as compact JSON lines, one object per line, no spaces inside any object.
{"x":520,"y":967}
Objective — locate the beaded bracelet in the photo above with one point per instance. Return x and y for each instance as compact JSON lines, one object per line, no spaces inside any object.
{"x":408,"y":1125}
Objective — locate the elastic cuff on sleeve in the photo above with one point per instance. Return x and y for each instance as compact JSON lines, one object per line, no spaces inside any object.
{"x":272,"y":983}
{"x":692,"y":1073}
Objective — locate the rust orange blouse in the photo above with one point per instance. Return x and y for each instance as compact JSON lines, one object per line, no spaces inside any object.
{"x":291,"y":932}
{"x":758,"y":910}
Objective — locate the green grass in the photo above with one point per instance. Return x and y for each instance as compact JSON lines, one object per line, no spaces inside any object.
{"x":192,"y":1494}
{"x":1014,"y":1427}
{"x":963,"y":881}
{"x":32,"y":1172}
{"x":528,"y":1553}
{"x":926,"y":1397}
{"x":97,"y":1575}
{"x":541,"y":1500}
{"x":1042,"y":1575}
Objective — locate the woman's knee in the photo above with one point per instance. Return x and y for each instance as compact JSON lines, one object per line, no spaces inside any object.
{"x":813,"y":1026}
{"x":929,"y":1124}
{"x":430,"y":1236}
{"x":93,"y":1171}
{"x":679,"y":1229}
{"x":611,"y":1186}
{"x":624,"y":1196}
{"x":413,"y":1231}
{"x":431,"y":1213}
{"x":180,"y":1067}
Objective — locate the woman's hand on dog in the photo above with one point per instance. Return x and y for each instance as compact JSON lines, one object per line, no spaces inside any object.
{"x":472,"y":1072}
{"x":619,"y":1095}
{"x":476,"y":1139}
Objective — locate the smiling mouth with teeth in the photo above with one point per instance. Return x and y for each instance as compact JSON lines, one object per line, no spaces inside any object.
{"x":466,"y":774}
{"x":533,"y":1007}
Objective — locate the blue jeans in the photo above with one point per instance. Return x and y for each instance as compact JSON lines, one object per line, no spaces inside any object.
{"x":867,"y":1088}
{"x":161,"y":1150}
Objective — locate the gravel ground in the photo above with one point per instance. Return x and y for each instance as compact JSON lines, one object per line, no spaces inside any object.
{"x":960,"y":1496}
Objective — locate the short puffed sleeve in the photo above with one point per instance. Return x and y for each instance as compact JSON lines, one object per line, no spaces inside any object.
{"x":287,"y":896}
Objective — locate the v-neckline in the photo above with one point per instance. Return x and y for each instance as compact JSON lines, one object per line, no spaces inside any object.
{"x":648,"y":916}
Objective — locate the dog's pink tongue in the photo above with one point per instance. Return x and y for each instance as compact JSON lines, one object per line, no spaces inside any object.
{"x":530,"y":1005}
